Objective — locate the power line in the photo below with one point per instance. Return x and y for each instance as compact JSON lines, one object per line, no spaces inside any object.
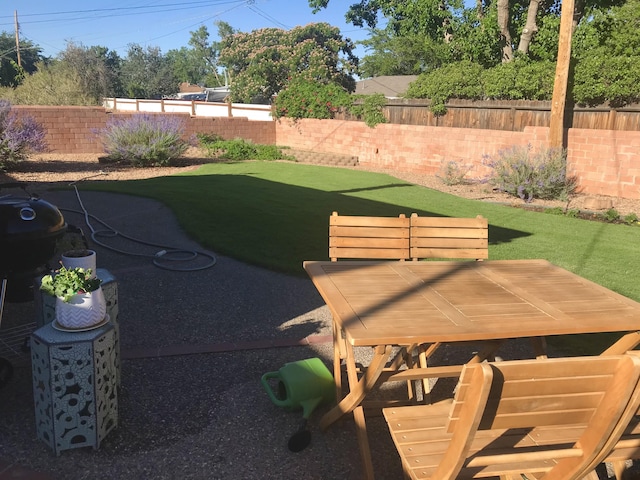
{"x":97,"y":13}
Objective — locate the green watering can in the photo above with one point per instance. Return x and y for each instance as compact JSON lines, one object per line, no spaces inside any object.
{"x":305,"y":385}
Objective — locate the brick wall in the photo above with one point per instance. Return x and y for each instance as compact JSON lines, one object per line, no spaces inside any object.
{"x":72,"y":129}
{"x":606,"y":162}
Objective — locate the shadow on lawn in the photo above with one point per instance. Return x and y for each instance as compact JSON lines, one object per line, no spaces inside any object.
{"x":268,"y":223}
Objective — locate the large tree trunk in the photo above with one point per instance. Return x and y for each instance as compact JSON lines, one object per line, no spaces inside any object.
{"x":530,"y":27}
{"x":505,"y":36}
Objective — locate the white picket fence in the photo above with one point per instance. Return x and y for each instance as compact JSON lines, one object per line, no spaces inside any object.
{"x":192,"y":107}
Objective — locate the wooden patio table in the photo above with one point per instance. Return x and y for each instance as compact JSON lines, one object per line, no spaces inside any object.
{"x":393,"y":303}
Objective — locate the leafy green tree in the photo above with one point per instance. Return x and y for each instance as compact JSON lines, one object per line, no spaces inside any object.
{"x":394,"y":55}
{"x":199,"y":63}
{"x":51,"y":84}
{"x":146,"y":73}
{"x":97,"y":68}
{"x":261,"y":63}
{"x":607,"y":56}
{"x":11,"y":74}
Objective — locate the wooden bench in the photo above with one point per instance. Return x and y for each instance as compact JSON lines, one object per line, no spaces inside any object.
{"x":548,"y":419}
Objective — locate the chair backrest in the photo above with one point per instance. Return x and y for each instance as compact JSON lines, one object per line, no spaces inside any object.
{"x":531,"y":403}
{"x":368,"y":237}
{"x":449,"y":237}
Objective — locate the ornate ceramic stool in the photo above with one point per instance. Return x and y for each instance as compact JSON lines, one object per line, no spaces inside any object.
{"x":74,"y":386}
{"x":46,"y":308}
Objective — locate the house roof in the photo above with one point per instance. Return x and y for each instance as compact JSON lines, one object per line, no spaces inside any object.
{"x":391,"y":86}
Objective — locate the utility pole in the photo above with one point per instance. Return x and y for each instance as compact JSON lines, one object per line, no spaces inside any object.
{"x":15,"y":17}
{"x":559,"y":100}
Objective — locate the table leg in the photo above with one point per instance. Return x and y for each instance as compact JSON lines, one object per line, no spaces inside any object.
{"x":539,"y":347}
{"x":358,"y":389}
{"x":363,"y":442}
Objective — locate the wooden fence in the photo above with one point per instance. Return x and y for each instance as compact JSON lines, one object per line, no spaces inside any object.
{"x":507,"y":115}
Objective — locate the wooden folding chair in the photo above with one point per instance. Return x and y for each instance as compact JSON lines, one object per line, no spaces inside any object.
{"x":449,"y":237}
{"x":547,"y":419}
{"x":361,"y":237}
{"x":446,"y":238}
{"x":371,"y":238}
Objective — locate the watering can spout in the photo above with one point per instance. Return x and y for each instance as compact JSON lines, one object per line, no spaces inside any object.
{"x":308,"y":406}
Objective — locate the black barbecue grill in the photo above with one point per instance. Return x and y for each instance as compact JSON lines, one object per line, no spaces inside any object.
{"x":29,"y":230}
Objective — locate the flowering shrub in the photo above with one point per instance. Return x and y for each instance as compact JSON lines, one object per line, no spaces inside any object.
{"x":308,"y":99}
{"x":263,"y":62}
{"x":543,"y":174}
{"x":18,"y":136}
{"x":143,"y":139}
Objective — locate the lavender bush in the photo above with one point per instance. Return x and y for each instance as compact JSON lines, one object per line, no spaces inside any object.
{"x":144,"y":140}
{"x":521,"y":172}
{"x":19,"y":136}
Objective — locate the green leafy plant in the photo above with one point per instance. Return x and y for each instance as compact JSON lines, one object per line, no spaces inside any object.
{"x":370,"y":108}
{"x":611,"y":215}
{"x":630,"y":219}
{"x":144,"y":140}
{"x":554,"y":211}
{"x":65,"y":283}
{"x":240,"y":149}
{"x":521,"y":172}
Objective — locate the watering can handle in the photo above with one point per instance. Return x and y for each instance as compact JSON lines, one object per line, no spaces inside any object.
{"x":265,"y":383}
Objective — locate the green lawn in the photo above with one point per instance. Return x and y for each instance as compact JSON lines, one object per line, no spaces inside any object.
{"x":276,"y":215}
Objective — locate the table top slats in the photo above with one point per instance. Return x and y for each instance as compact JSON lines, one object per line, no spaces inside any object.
{"x":396,"y":302}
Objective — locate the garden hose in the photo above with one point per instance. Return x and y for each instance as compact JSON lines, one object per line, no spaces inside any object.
{"x":165,"y":258}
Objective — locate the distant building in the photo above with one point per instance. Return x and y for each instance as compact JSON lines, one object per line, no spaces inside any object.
{"x":391,"y":86}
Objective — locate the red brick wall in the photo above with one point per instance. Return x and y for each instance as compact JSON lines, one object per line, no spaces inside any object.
{"x":73,"y":129}
{"x":606,"y":162}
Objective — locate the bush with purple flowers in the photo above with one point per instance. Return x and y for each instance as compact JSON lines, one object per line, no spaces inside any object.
{"x":541,"y":174}
{"x":144,"y":140}
{"x":19,"y":136}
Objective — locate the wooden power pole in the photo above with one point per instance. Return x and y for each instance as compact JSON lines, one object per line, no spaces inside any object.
{"x":559,"y":100}
{"x":15,"y":18}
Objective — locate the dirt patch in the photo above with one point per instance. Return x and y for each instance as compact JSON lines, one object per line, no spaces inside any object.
{"x":46,"y":170}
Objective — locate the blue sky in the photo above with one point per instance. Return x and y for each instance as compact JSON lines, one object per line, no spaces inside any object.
{"x":163,"y":23}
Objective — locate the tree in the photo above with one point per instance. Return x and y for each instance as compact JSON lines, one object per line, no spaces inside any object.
{"x":199,"y":64}
{"x":262,"y":62}
{"x":489,"y":26}
{"x":394,"y":55}
{"x":146,"y":73}
{"x":11,"y":74}
{"x":97,"y":68}
{"x":52,"y":84}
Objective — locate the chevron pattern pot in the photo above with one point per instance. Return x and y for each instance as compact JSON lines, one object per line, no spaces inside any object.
{"x":82,"y":311}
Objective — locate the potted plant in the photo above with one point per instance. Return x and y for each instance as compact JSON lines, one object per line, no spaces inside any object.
{"x":80,"y":302}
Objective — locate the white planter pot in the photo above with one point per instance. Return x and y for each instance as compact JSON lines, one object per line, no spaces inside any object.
{"x":82,"y":311}
{"x":89,"y":261}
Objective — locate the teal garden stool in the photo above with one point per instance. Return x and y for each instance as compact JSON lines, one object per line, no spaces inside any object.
{"x":74,"y":386}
